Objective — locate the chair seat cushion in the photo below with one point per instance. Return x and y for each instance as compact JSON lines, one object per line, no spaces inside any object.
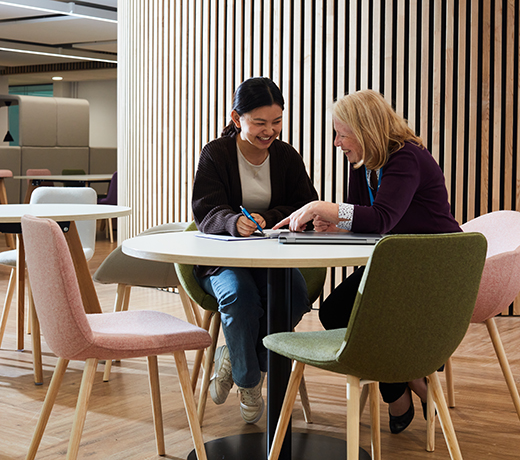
{"x":131,"y":334}
{"x":317,"y":348}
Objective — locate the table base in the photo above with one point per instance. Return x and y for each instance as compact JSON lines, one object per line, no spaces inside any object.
{"x":253,"y":447}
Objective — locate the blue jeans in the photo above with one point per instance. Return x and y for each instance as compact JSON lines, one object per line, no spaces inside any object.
{"x":241,"y":294}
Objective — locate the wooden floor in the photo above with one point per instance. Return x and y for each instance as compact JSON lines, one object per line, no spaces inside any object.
{"x":119,"y":424}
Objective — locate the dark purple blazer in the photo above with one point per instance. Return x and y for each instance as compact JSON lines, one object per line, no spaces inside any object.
{"x":412,"y":197}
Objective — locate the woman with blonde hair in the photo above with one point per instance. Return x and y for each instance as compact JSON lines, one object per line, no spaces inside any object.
{"x":395,"y":186}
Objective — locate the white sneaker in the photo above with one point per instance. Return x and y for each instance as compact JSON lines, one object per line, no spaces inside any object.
{"x":251,"y":402}
{"x":222,"y":379}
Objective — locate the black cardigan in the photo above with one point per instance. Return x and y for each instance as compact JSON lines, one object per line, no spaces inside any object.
{"x":217,"y":191}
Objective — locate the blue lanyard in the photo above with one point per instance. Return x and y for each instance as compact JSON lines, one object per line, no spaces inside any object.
{"x":368,"y":184}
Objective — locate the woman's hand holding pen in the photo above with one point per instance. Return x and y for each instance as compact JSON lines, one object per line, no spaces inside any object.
{"x":245,"y":227}
{"x":323,"y":214}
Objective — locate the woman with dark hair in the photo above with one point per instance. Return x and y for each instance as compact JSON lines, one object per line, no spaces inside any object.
{"x":395,"y":186}
{"x":248,"y":166}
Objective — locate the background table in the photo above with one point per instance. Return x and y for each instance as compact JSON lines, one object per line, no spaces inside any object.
{"x":65,"y":214}
{"x":86,"y":179}
{"x":189,"y":248}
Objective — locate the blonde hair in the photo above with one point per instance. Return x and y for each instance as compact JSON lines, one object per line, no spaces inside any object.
{"x":377,"y":127}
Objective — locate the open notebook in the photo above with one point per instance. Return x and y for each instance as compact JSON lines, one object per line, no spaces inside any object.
{"x":328,"y":238}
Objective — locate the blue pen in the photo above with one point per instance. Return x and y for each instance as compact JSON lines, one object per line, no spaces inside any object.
{"x":250,"y":217}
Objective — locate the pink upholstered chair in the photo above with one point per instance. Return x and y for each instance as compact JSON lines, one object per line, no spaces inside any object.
{"x":499,"y":286}
{"x":73,"y":335}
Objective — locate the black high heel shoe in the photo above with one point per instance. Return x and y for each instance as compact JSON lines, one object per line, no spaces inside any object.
{"x":399,"y":423}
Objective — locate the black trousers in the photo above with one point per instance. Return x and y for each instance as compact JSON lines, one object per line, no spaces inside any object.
{"x":335,"y":313}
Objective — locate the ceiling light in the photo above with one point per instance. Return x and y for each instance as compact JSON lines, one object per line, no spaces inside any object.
{"x":57,"y":78}
{"x":69,"y":9}
{"x":65,"y":56}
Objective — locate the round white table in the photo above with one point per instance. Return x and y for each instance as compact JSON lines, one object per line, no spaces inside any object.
{"x":190,"y":248}
{"x":65,"y":215}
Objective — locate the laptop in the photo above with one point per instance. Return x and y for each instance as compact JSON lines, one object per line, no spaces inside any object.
{"x":313,"y":237}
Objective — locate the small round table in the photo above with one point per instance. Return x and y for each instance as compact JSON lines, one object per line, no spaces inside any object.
{"x":65,"y":215}
{"x":195,"y":249}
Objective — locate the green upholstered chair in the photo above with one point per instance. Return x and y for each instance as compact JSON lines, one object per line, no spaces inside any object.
{"x":315,"y":278}
{"x":73,"y":172}
{"x":412,"y":310}
{"x":126,"y":271}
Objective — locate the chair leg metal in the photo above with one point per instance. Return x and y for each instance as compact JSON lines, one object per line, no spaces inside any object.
{"x":189,"y":404}
{"x":287,"y":408}
{"x":444,"y":417}
{"x":155,"y":393}
{"x":50,"y":398}
{"x":504,"y":363}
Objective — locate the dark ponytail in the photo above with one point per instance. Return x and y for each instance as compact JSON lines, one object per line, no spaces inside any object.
{"x":253,"y":93}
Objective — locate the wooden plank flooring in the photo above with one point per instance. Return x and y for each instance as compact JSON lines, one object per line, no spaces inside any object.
{"x":119,"y":422}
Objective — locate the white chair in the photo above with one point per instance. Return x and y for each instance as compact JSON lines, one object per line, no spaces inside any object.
{"x":87,"y":234}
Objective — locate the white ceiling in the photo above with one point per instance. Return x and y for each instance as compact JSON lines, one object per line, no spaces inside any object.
{"x":63,"y":32}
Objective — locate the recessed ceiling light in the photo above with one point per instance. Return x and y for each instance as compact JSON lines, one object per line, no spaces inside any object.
{"x":57,"y":78}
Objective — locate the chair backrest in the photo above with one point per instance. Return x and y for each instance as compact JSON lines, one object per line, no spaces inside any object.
{"x":120,"y":268}
{"x":84,"y":195}
{"x":40,"y":172}
{"x":73,"y":172}
{"x":111,"y":197}
{"x":190,"y":284}
{"x":56,"y":293}
{"x":501,"y":277}
{"x":414,"y":305}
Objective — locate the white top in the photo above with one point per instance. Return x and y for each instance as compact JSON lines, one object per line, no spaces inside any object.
{"x":256,"y":183}
{"x":187,"y":248}
{"x":12,"y":213}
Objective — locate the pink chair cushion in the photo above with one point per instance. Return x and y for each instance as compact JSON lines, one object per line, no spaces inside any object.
{"x":6,"y":173}
{"x":500,"y":282}
{"x":69,"y":331}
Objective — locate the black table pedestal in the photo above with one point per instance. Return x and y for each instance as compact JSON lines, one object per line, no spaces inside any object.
{"x":253,"y":447}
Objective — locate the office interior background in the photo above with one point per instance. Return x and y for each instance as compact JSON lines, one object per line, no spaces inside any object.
{"x":450,"y":67}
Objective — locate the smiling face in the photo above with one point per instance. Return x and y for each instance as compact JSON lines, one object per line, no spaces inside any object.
{"x":259,"y":127}
{"x":347,"y":141}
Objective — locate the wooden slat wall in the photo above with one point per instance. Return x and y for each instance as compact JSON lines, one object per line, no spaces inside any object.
{"x":450,"y":67}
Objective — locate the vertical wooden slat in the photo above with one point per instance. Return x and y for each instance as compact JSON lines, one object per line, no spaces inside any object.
{"x":180,"y":62}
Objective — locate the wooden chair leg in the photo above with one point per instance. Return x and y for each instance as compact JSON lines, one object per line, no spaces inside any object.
{"x":50,"y":398}
{"x":111,"y":230}
{"x":353,"y":398}
{"x":375,"y":419}
{"x":85,"y":391}
{"x":121,"y":304}
{"x":189,"y":404}
{"x":208,"y":367}
{"x":199,"y":355}
{"x":363,"y":399}
{"x":450,"y":386}
{"x":7,"y":303}
{"x":504,"y":363}
{"x":430,"y":421}
{"x":36,"y":340}
{"x":287,"y":408}
{"x":304,"y":398}
{"x":155,"y":393}
{"x":444,"y":417}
